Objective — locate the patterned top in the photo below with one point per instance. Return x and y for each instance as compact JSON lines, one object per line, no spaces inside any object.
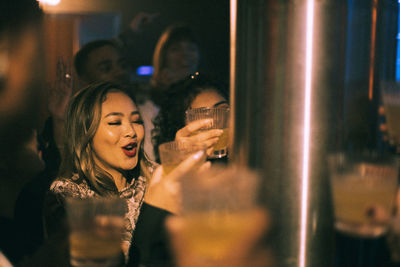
{"x":133,"y":193}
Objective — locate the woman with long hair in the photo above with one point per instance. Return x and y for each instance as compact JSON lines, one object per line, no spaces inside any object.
{"x":104,"y":135}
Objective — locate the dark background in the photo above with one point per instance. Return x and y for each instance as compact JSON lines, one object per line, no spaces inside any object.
{"x":209,"y":19}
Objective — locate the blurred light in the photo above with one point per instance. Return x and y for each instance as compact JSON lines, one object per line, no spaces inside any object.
{"x":372,"y":52}
{"x":49,"y":2}
{"x":144,"y":70}
{"x":306,"y":134}
{"x":398,"y":49}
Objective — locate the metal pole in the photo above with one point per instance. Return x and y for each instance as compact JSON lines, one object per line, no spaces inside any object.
{"x":285,"y":68}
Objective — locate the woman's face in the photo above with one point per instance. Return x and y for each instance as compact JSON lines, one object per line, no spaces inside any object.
{"x":209,"y":99}
{"x":119,"y":135}
{"x":182,"y":57}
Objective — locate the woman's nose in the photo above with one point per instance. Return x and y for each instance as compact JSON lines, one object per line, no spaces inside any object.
{"x":130,"y":131}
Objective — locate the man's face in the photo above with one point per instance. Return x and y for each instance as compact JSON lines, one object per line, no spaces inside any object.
{"x":105,"y":64}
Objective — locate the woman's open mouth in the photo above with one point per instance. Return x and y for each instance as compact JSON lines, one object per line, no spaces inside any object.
{"x":130,"y":149}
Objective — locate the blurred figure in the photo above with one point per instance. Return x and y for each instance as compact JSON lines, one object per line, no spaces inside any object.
{"x":22,"y":103}
{"x":52,"y":134}
{"x":175,"y":57}
{"x":193,"y":92}
{"x":28,"y":209}
{"x":100,"y":60}
{"x":22,"y":95}
{"x":18,"y":168}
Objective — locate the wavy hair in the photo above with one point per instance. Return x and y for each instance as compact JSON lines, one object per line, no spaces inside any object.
{"x":82,"y":121}
{"x":176,"y":101}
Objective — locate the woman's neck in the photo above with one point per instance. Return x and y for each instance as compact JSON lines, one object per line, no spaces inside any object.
{"x":120,"y":181}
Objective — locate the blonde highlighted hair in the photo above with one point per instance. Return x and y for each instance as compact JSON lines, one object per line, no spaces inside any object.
{"x":82,"y":121}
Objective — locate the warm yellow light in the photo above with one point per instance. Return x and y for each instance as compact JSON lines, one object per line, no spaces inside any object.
{"x":306,"y":133}
{"x":49,"y":2}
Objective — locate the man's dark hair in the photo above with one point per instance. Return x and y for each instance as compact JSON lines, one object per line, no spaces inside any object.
{"x":82,"y":55}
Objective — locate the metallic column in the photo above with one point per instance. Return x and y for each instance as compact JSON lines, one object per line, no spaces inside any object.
{"x":285,"y":80}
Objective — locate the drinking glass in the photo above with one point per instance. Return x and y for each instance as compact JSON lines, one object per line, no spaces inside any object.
{"x":220,"y":120}
{"x":96,"y":227}
{"x":219,"y":210}
{"x":361,"y":183}
{"x":173,"y":153}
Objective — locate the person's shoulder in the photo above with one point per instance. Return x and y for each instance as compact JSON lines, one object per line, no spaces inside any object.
{"x":71,"y":187}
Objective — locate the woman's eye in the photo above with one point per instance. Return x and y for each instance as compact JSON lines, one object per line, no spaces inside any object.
{"x":114,"y":123}
{"x":138,"y":121}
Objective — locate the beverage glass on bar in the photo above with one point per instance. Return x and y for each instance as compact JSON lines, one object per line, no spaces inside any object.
{"x":219,"y":210}
{"x":220,"y":120}
{"x":96,"y":227}
{"x":361,"y":182}
{"x":173,"y":153}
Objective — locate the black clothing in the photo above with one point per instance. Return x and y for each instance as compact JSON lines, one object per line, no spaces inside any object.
{"x":150,"y":238}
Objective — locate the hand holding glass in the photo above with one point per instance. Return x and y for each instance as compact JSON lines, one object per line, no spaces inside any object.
{"x":220,"y":120}
{"x":173,"y":153}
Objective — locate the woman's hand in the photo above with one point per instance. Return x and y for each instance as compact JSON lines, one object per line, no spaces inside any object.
{"x":207,"y":137}
{"x":164,"y":191}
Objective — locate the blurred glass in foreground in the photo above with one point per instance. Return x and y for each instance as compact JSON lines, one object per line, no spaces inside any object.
{"x":96,"y":227}
{"x":363,"y":184}
{"x":221,"y":223}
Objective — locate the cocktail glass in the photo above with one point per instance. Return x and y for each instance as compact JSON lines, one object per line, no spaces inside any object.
{"x":219,"y":210}
{"x":96,"y":226}
{"x":173,"y":153}
{"x":220,"y":120}
{"x":362,"y":183}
